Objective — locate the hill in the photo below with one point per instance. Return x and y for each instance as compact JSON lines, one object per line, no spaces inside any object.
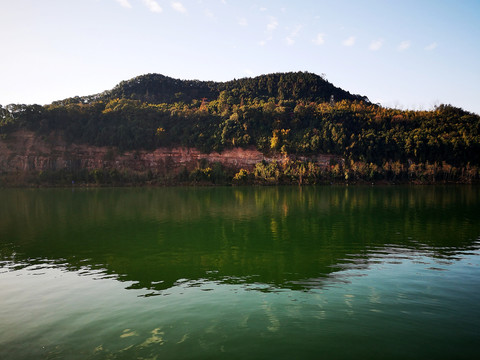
{"x":291,"y":115}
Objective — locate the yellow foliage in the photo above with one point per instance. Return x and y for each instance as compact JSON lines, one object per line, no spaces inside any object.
{"x":274,"y":141}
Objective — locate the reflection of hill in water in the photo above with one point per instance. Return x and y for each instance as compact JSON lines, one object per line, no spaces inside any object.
{"x":273,"y":236}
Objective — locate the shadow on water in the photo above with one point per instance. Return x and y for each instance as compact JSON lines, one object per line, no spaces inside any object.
{"x":276,"y":238}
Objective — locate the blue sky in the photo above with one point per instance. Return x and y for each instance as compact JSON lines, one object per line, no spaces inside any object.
{"x":410,"y":54}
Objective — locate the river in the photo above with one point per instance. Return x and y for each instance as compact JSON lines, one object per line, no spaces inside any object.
{"x":381,"y":272}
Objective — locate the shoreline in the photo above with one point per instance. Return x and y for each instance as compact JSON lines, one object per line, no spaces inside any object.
{"x":153,"y":184}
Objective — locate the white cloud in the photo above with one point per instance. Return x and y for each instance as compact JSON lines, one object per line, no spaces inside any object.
{"x":273,"y":24}
{"x":124,"y":3}
{"x":291,"y":38}
{"x":242,"y":22}
{"x":431,"y":46}
{"x":178,"y":6}
{"x":208,"y":13}
{"x":153,"y":6}
{"x":376,"y":45}
{"x":248,"y":72}
{"x":349,"y":41}
{"x":264,"y":42}
{"x":263,"y":9}
{"x":319,"y":40}
{"x":404,"y":45}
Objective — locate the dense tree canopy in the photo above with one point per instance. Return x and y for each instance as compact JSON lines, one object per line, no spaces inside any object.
{"x":292,"y":113}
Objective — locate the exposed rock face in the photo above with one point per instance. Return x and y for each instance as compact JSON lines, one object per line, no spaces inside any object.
{"x":25,"y":151}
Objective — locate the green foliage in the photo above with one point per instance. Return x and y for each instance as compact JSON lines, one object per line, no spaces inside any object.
{"x":242,"y":177}
{"x":283,"y":113}
{"x":267,"y":172}
{"x":201,"y":175}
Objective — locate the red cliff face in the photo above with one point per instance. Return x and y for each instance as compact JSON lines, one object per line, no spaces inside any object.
{"x":27,"y":152}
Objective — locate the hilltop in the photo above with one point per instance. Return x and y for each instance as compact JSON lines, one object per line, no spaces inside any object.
{"x":157,"y":89}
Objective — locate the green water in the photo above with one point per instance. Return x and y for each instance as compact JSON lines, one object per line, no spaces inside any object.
{"x":237,"y":273}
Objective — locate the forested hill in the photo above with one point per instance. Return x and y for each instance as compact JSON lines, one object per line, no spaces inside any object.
{"x":157,"y":89}
{"x":286,"y":113}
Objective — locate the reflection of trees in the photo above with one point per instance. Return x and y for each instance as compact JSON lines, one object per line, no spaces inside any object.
{"x":275,"y":236}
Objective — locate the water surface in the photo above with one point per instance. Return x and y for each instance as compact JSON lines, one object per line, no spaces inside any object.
{"x":213,"y":273}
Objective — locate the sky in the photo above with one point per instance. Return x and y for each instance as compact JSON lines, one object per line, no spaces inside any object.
{"x":408,"y":54}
